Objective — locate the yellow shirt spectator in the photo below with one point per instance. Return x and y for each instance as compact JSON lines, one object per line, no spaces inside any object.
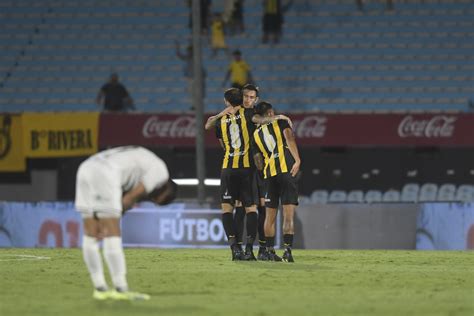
{"x":239,"y":72}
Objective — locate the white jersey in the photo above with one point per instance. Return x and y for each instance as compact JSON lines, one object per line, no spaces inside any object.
{"x":135,"y":164}
{"x":103,"y":177}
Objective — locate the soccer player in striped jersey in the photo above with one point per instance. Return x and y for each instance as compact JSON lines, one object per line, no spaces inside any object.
{"x":280,"y":164}
{"x":250,"y":95}
{"x":234,"y":131}
{"x":230,"y":140}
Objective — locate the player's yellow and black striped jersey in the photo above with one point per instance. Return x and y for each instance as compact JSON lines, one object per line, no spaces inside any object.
{"x":235,"y":131}
{"x":270,"y":141}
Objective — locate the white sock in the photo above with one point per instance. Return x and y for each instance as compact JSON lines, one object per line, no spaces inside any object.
{"x":91,"y":255}
{"x":115,"y":258}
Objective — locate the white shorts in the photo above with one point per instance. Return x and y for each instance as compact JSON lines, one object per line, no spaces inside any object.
{"x":98,"y":190}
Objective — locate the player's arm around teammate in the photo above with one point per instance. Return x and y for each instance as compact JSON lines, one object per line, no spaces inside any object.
{"x":211,"y":121}
{"x":276,"y":143}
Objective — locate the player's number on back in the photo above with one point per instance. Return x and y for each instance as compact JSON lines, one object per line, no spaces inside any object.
{"x":235,"y":140}
{"x":269,"y":141}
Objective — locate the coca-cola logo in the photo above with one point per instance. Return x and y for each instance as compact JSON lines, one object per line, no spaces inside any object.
{"x":310,"y":127}
{"x":179,"y":127}
{"x":437,"y":126}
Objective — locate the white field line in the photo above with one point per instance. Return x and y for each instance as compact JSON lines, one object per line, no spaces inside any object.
{"x":15,"y":257}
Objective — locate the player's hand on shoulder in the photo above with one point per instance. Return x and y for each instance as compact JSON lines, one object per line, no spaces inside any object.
{"x":286,"y":118}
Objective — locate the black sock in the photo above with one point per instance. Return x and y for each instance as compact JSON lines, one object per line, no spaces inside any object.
{"x":288,"y":240}
{"x":239,"y":218}
{"x":227,"y":221}
{"x":270,"y":242}
{"x":251,"y":228}
{"x":261,"y":225}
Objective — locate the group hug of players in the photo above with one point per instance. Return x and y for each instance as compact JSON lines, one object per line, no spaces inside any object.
{"x":259,"y":170}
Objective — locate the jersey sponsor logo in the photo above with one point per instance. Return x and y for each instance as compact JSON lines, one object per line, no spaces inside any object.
{"x":238,"y":153}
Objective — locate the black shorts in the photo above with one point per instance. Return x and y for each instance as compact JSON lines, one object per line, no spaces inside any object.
{"x":260,"y":183}
{"x":238,"y":184}
{"x":282,"y":187}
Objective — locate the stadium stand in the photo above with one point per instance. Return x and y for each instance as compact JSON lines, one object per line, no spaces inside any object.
{"x":446,"y":192}
{"x":428,"y":192}
{"x":411,"y":193}
{"x":55,"y":56}
{"x":373,"y":196}
{"x":391,"y":196}
{"x":355,"y":196}
{"x":319,"y":196}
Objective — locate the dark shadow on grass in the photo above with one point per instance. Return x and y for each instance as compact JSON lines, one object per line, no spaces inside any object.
{"x":283,"y":266}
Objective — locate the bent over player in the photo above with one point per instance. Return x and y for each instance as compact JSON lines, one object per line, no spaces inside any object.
{"x":280,"y":164}
{"x":107,"y":185}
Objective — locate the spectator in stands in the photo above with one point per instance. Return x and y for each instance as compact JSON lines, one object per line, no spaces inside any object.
{"x":188,"y":68}
{"x":273,"y":12}
{"x":205,"y":12}
{"x":360,"y":4}
{"x":114,"y":97}
{"x":233,"y":16}
{"x":239,"y":72}
{"x":217,"y":35}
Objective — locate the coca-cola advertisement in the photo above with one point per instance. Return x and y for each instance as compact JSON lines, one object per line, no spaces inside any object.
{"x":311,"y":129}
{"x":150,"y":130}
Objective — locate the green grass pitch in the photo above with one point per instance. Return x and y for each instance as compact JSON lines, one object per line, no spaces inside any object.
{"x":206,"y":282}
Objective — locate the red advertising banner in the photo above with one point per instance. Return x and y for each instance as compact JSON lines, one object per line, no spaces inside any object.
{"x":311,"y":129}
{"x":150,"y":130}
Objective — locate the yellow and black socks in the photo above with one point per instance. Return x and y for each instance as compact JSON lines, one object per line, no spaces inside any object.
{"x":288,"y":240}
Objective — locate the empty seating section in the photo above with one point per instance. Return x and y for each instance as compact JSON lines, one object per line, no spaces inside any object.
{"x":56,"y":55}
{"x":411,"y":193}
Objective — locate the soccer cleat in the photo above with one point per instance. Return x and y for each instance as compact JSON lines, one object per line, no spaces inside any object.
{"x":249,"y":256}
{"x":262,"y":254}
{"x":287,"y":256}
{"x":237,"y":253}
{"x":101,"y":295}
{"x":129,"y":296}
{"x":272,"y":256}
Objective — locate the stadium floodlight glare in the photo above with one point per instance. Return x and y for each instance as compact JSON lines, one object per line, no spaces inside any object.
{"x":194,"y":181}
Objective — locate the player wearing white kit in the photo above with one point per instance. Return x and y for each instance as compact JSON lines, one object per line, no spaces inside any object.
{"x":108,"y":184}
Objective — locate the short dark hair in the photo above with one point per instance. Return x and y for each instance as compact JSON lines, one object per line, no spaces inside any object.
{"x":237,"y":52}
{"x":171,"y":189}
{"x":251,"y":87}
{"x":263,"y":107}
{"x":233,"y":96}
